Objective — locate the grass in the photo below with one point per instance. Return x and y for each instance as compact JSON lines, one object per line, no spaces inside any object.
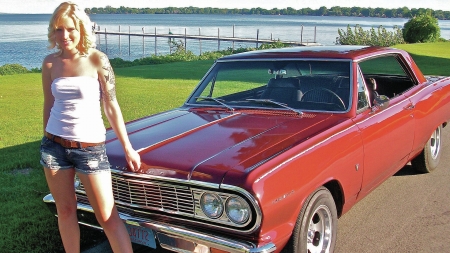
{"x":27,"y":225}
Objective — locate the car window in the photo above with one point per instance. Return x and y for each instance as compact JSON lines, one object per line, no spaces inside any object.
{"x":386,"y":75}
{"x":362,"y":93}
{"x":302,"y":85}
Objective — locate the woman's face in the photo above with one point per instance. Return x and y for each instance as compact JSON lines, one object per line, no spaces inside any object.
{"x":66,"y":35}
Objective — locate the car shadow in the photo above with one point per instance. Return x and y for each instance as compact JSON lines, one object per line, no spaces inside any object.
{"x":407,"y":170}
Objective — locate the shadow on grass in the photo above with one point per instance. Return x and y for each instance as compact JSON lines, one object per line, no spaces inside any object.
{"x":20,"y":156}
{"x":432,"y":65}
{"x":23,"y":186}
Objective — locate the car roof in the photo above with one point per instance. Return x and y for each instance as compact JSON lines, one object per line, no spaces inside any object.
{"x":327,"y":52}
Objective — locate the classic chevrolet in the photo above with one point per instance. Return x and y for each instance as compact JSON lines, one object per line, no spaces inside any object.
{"x":272,"y":147}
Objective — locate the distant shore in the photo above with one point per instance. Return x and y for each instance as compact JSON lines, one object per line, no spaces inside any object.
{"x":322,"y":11}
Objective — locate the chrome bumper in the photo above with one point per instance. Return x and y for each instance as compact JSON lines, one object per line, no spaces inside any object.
{"x":180,"y":236}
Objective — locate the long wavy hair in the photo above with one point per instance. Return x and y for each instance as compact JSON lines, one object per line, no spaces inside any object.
{"x":82,"y":23}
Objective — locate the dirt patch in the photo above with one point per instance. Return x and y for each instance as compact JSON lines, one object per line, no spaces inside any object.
{"x":21,"y":171}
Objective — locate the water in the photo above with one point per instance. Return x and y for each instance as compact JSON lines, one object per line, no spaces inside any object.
{"x":23,"y":37}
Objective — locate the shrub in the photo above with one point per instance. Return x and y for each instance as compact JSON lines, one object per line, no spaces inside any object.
{"x":422,"y":28}
{"x":180,"y":54}
{"x":372,"y":37}
{"x":11,"y":69}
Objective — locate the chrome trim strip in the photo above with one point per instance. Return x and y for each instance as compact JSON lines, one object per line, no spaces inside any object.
{"x":217,"y":242}
{"x":249,"y":197}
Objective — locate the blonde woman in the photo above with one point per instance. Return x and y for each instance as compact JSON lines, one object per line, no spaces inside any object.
{"x":76,"y":81}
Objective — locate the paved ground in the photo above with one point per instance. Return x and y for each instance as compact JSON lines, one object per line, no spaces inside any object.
{"x":409,"y":212}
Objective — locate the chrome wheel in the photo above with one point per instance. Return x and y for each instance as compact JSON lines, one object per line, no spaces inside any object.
{"x":435,"y":143}
{"x":428,"y":159}
{"x":319,"y":230}
{"x":316,"y":226}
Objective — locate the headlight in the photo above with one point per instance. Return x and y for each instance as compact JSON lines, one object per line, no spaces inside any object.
{"x":237,"y":210}
{"x":77,"y":182}
{"x":211,"y":205}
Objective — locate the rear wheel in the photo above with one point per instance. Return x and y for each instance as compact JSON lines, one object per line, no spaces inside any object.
{"x":429,"y":158}
{"x":316,"y":226}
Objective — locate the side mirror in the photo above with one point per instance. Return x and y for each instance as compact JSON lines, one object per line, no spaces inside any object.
{"x":381,"y":101}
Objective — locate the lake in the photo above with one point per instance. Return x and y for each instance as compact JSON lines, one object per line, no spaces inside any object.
{"x":24,"y":36}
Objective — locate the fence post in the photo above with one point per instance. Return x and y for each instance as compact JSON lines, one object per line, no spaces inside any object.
{"x":106,"y":43}
{"x":257,"y":38}
{"x":315,"y":32}
{"x":129,"y":41}
{"x":185,"y":40}
{"x":301,"y":36}
{"x":200,"y":40}
{"x":143,"y":41}
{"x":218,"y":39}
{"x":120,"y":50}
{"x":233,"y":38}
{"x":99,"y":37}
{"x":156,"y":42}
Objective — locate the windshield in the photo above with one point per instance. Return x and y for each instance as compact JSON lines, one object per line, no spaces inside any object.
{"x":292,"y":84}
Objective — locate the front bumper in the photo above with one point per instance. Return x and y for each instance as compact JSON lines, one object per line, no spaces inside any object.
{"x":182,"y":239}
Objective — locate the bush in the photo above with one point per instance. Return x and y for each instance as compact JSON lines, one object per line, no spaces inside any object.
{"x":380,"y":37}
{"x":180,"y":54}
{"x":422,"y":28}
{"x":11,"y":69}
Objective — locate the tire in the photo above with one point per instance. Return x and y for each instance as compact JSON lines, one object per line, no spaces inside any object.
{"x":428,"y":159}
{"x":316,"y":226}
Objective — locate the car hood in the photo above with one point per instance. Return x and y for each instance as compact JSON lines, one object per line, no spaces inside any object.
{"x":205,"y":144}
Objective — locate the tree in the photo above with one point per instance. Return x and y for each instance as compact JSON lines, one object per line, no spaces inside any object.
{"x":422,"y":28}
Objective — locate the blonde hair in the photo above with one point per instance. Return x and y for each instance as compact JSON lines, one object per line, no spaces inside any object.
{"x":82,"y":23}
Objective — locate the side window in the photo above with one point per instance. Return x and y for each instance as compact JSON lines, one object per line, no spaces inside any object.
{"x":363,"y":102}
{"x":386,"y":75}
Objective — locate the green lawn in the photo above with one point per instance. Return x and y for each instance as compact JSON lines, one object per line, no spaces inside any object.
{"x":27,"y":225}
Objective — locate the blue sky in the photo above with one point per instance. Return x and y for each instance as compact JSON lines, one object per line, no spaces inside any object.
{"x":47,"y":6}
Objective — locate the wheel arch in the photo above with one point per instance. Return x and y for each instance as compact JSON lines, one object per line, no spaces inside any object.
{"x":338,"y":195}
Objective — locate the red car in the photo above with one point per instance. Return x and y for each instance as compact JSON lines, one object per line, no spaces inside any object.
{"x":273,"y":146}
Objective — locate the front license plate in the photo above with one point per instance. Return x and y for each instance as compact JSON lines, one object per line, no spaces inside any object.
{"x":141,"y":235}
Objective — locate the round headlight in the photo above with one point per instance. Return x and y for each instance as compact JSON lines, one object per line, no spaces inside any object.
{"x":211,"y":205}
{"x":238,"y":210}
{"x":77,"y":182}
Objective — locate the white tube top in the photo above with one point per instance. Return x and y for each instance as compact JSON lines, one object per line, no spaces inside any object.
{"x":76,"y":113}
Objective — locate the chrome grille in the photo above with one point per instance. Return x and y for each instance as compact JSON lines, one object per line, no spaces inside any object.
{"x":153,"y":195}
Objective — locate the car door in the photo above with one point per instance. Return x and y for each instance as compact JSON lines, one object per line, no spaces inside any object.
{"x":387,"y":135}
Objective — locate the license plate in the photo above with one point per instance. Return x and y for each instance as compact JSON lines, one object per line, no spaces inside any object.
{"x":141,"y":235}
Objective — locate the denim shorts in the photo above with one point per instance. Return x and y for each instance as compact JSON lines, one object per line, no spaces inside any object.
{"x":88,"y":160}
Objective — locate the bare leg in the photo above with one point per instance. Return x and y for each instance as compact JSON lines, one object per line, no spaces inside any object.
{"x":60,"y":183}
{"x":99,"y":191}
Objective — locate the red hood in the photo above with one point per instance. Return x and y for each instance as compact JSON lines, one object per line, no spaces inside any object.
{"x":204,"y":145}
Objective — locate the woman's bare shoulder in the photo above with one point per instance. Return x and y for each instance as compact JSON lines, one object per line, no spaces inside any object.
{"x":51,"y":58}
{"x":97,"y":57}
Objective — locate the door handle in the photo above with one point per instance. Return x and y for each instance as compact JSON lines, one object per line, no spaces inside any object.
{"x":409,"y":107}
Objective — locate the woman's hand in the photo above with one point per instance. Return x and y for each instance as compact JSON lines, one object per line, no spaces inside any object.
{"x":133,"y":159}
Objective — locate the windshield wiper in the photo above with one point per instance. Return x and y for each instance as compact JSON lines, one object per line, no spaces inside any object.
{"x":219,"y":101}
{"x":271,"y":102}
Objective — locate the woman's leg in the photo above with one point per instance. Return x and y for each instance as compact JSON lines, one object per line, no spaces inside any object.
{"x":60,"y":183}
{"x":99,"y":191}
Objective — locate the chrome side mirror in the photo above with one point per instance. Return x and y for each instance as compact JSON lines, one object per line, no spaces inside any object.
{"x":381,"y":102}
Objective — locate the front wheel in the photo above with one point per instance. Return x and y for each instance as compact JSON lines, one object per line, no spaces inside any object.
{"x":316,"y":226}
{"x":429,"y":158}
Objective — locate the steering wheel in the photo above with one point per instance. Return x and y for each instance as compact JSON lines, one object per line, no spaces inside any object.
{"x":341,"y":105}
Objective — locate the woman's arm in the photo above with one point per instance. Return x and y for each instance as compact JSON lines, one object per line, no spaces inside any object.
{"x":112,"y":109}
{"x":47,"y":90}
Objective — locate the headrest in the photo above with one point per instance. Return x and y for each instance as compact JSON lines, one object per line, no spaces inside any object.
{"x":284,"y":83}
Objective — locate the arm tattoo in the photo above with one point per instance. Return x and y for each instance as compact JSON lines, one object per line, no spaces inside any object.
{"x":110,"y":78}
{"x":112,"y":94}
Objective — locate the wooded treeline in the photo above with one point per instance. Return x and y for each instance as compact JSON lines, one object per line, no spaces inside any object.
{"x":322,"y":11}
